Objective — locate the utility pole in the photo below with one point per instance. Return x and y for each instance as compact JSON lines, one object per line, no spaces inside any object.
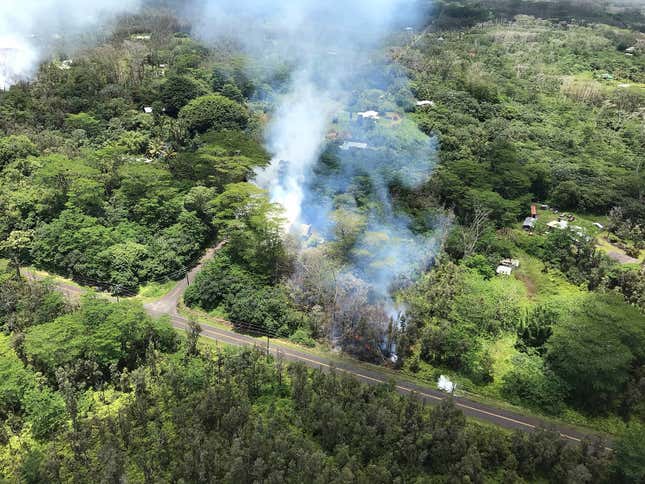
{"x":187,"y":280}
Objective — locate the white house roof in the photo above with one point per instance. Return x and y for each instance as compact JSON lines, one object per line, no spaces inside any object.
{"x":425,"y":102}
{"x":65,"y":65}
{"x":504,"y":270}
{"x":510,"y":263}
{"x":369,"y":114}
{"x":529,"y":222}
{"x":147,"y":110}
{"x":353,"y":144}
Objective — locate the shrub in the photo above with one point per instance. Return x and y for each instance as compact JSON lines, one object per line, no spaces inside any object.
{"x":528,"y":383}
{"x":302,"y":337}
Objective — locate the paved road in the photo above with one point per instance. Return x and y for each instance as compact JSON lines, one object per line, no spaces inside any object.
{"x":168,"y":303}
{"x":371,"y":374}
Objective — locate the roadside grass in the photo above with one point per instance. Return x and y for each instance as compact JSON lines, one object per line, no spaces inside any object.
{"x":428,"y":374}
{"x":54,"y":277}
{"x":218,"y":312}
{"x":202,"y":317}
{"x":606,"y":424}
{"x":502,"y":351}
{"x":147,"y":292}
{"x":154,"y":290}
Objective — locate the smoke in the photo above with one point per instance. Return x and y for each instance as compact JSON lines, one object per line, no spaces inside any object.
{"x":31,"y":29}
{"x":333,"y":49}
{"x":327,"y":43}
{"x":294,"y":137}
{"x":394,"y":246}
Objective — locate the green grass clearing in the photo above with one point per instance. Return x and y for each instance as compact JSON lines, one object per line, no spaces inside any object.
{"x":154,"y":290}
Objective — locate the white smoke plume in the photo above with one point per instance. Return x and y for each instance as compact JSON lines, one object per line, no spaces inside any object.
{"x":333,"y":49}
{"x":325,"y":41}
{"x":296,"y":143}
{"x":29,"y":29}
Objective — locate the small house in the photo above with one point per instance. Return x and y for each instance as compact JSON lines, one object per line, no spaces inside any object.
{"x":425,"y":102}
{"x":529,"y":223}
{"x":368,"y":115}
{"x":503,"y":270}
{"x":512,"y":263}
{"x":349,"y":145}
{"x":507,"y":266}
{"x":147,"y":109}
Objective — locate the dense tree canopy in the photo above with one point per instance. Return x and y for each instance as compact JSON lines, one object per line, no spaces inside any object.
{"x":213,"y":112}
{"x":120,"y":404}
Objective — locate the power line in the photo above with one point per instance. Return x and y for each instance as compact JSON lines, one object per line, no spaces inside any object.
{"x":110,"y":286}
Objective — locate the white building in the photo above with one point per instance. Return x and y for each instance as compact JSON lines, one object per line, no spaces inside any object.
{"x":368,"y":115}
{"x":504,"y":270}
{"x":347,"y":145}
{"x":512,"y":263}
{"x":558,"y":224}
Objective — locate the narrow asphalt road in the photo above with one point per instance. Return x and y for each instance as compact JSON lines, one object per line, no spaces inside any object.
{"x":371,"y":374}
{"x":168,"y":303}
